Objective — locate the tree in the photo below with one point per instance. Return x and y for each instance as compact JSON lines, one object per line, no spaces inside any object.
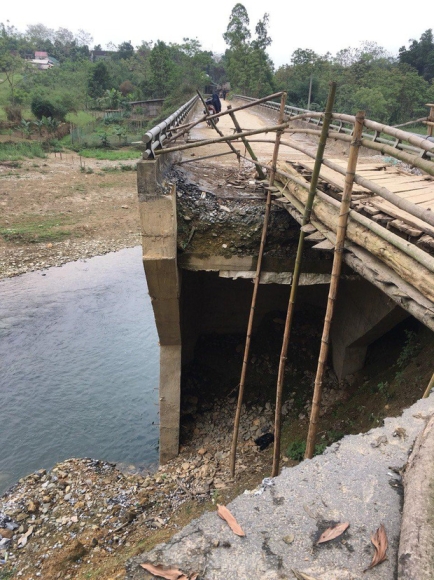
{"x":99,"y":80}
{"x":420,"y":55}
{"x":125,"y":50}
{"x":248,"y":66}
{"x":162,"y":69}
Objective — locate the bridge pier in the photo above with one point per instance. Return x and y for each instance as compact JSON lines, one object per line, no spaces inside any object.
{"x":362,"y":314}
{"x":157,"y":206}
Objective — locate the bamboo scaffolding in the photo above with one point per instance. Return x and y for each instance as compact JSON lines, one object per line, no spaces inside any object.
{"x":184,"y":129}
{"x":203,"y":142}
{"x":247,"y":145}
{"x":415,"y":140}
{"x":255,"y":292}
{"x":428,"y":389}
{"x":413,"y":209}
{"x":410,"y":158}
{"x":215,"y":127}
{"x":295,"y":279}
{"x":409,"y":249}
{"x":206,"y":157}
{"x":334,"y":282}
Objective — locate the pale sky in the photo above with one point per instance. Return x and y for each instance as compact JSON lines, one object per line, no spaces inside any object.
{"x":292,"y":25}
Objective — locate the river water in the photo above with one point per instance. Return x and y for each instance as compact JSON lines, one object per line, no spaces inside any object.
{"x":78,"y":366}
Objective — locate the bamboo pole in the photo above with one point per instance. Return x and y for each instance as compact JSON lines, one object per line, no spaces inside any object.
{"x":296,"y":277}
{"x":403,"y":203}
{"x":248,"y":105}
{"x":184,"y":129}
{"x":410,"y":158}
{"x":428,"y":389}
{"x":213,"y":123}
{"x":334,"y":283}
{"x":247,"y":145}
{"x":204,"y":157}
{"x":255,"y":292}
{"x":416,"y":140}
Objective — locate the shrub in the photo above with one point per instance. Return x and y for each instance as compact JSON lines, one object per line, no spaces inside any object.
{"x":13,"y":113}
{"x":44,"y":107}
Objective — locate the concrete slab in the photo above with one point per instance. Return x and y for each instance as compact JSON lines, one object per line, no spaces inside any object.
{"x":351,"y":481}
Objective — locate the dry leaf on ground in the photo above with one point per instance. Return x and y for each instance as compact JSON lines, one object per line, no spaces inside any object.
{"x":22,"y":541}
{"x":332,"y":533}
{"x":379,"y":539}
{"x":301,"y":575}
{"x":226,"y":515}
{"x":167,"y":573}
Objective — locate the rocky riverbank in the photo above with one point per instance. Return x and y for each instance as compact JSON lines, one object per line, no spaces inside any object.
{"x":86,"y":513}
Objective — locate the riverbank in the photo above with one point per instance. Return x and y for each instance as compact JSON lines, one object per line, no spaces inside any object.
{"x":87,"y":517}
{"x":63,"y":208}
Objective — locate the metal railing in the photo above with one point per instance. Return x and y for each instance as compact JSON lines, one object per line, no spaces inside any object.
{"x":344,"y":127}
{"x":156,"y":136}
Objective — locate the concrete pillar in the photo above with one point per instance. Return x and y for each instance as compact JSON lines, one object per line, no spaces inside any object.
{"x":362,"y":314}
{"x":157,"y":205}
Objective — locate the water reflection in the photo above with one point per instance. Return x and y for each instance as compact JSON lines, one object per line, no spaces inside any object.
{"x":79,"y":366}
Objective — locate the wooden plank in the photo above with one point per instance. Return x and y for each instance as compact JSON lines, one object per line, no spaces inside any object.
{"x":397,"y":213}
{"x":315,"y":237}
{"x":333,"y":177}
{"x":308,"y":229}
{"x":403,"y":227}
{"x":325,"y":246}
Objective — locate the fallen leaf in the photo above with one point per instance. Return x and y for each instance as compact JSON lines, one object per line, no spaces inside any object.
{"x":226,"y":515}
{"x":332,"y":533}
{"x":23,"y":539}
{"x":301,"y":575}
{"x":379,"y":539}
{"x":167,"y":573}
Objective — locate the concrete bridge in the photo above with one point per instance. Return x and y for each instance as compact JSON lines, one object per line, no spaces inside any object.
{"x":202,"y":207}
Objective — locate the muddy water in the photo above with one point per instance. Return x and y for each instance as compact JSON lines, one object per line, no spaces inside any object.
{"x":78,"y":366}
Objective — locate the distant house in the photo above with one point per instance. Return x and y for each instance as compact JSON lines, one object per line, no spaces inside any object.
{"x":42,"y":61}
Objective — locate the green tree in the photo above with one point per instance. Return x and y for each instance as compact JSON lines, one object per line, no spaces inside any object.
{"x":99,"y":80}
{"x":162,"y":70}
{"x":420,"y":55}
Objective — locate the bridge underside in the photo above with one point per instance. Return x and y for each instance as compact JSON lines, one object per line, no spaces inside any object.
{"x":201,"y":283}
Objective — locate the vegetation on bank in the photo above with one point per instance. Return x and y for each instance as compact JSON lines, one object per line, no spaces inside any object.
{"x":391,"y":88}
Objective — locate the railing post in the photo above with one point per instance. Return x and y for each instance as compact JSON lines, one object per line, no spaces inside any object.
{"x":430,"y":120}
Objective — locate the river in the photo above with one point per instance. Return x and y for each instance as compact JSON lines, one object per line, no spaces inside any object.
{"x":78,"y":366}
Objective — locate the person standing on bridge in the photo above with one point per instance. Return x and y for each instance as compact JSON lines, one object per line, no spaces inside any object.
{"x":216,"y":102}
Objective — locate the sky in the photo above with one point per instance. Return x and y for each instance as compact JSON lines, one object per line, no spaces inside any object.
{"x":320,"y":26}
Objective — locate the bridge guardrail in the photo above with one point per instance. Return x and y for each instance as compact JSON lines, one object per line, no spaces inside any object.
{"x":341,"y":126}
{"x":155,"y":137}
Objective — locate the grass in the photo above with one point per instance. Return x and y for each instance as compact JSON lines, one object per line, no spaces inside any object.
{"x":10,"y":151}
{"x":36,"y":230}
{"x":110,"y":154}
{"x":80,"y":119}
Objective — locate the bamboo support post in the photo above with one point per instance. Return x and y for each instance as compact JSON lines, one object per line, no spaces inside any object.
{"x":296,"y":277}
{"x":429,"y":388}
{"x":255,"y":292}
{"x":430,"y":120}
{"x":247,"y":145}
{"x":213,"y":123}
{"x":334,"y":283}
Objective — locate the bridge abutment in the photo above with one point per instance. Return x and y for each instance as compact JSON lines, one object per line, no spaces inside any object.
{"x":362,"y":314}
{"x":157,"y":205}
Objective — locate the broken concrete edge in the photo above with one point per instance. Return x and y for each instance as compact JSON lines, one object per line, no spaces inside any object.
{"x":416,"y":552}
{"x":354,"y":480}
